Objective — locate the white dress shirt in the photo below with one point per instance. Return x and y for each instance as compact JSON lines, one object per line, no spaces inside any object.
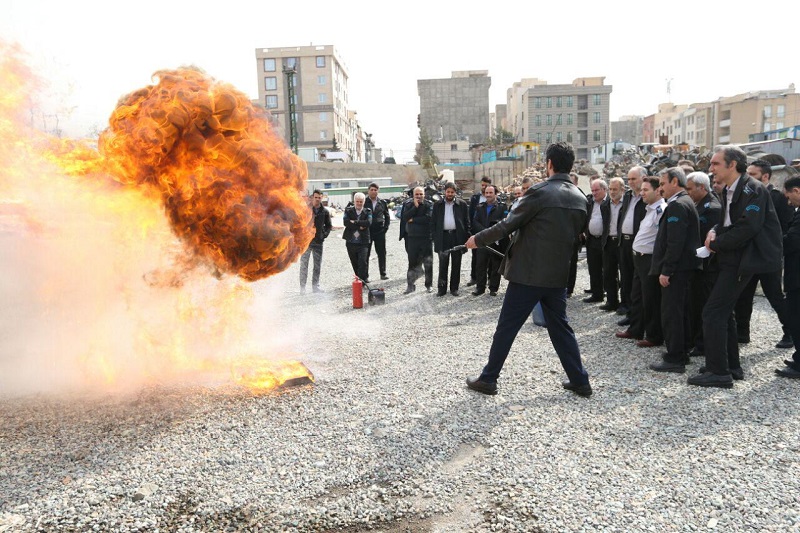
{"x":646,"y":237}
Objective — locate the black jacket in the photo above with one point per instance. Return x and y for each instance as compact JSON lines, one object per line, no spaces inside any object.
{"x":474,"y":200}
{"x":678,"y":238}
{"x":638,"y":212}
{"x":753,"y":243}
{"x":380,"y":216}
{"x":547,"y":222}
{"x":783,"y":209}
{"x":791,"y":254}
{"x":322,"y":225}
{"x":460,"y":213}
{"x":354,"y":223}
{"x":709,"y":212}
{"x":419,"y":217}
{"x":486,"y":218}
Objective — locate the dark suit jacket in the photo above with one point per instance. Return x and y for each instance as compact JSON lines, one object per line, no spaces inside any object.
{"x":420,"y":217}
{"x":678,"y":238}
{"x":461,"y":214}
{"x":605,"y":211}
{"x":547,"y":221}
{"x":791,"y":254}
{"x":753,"y":243}
{"x":354,"y":223}
{"x":783,"y":209}
{"x":380,"y":216}
{"x":709,"y":211}
{"x":486,"y":218}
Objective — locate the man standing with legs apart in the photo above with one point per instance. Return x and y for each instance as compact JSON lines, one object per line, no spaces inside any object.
{"x":379,"y":227}
{"x":322,"y":228}
{"x":415,"y":227}
{"x":748,"y":241}
{"x":547,"y":221}
{"x":450,"y":227}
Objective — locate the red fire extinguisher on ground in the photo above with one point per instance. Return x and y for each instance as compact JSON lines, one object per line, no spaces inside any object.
{"x":358,"y":300}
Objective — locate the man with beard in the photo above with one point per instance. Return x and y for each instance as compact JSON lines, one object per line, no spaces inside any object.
{"x":474,"y":201}
{"x":379,"y":227}
{"x":415,"y":227}
{"x":450,"y":227}
{"x":631,"y":216}
{"x":487,"y":215}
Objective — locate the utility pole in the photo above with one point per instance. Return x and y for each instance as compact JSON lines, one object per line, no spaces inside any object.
{"x":290,"y":72}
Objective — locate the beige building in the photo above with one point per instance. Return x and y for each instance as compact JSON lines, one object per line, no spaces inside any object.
{"x":320,"y":97}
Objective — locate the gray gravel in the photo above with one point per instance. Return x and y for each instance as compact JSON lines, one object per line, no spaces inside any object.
{"x":390,"y":439}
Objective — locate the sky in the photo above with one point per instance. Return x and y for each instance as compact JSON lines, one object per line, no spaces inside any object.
{"x":91,"y":53}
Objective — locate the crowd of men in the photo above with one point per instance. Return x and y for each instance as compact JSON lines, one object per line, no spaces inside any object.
{"x":678,"y":256}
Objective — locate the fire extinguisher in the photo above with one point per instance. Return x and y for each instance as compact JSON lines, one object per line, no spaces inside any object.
{"x":358,"y":300}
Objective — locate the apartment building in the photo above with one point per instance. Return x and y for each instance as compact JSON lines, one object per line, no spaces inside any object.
{"x":319,"y":96}
{"x":628,"y":129}
{"x":577,"y":113}
{"x":456,"y":108}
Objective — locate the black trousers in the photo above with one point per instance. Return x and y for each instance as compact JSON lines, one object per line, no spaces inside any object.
{"x":646,"y":301}
{"x":675,"y":317}
{"x":625,"y":269}
{"x":420,"y":257}
{"x":719,"y":324}
{"x":359,"y":256}
{"x":488,"y":267}
{"x":594,"y":259}
{"x":771,"y":285}
{"x":518,"y":304}
{"x":573,"y":267}
{"x":316,"y":251}
{"x":793,"y":324}
{"x":449,"y":241}
{"x":379,"y":240}
{"x":473,"y":264}
{"x":700,"y":286}
{"x":611,"y":270}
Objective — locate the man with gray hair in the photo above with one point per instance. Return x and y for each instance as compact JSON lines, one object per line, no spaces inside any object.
{"x":631,"y":215}
{"x":595,"y":241}
{"x":415,"y":227}
{"x":357,"y":220}
{"x":674,"y":260}
{"x":698,"y":187}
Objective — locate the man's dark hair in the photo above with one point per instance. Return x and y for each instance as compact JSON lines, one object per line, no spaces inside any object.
{"x":373,"y":184}
{"x":316,"y":191}
{"x":486,"y":179}
{"x":526,"y":180}
{"x":792,"y":183}
{"x":562,"y":156}
{"x":765,"y":167}
{"x":450,"y":185}
{"x":493,"y":187}
{"x":731,"y":154}
{"x":675,"y":173}
{"x":653,"y":181}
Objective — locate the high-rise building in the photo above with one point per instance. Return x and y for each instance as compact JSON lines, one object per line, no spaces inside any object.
{"x":319,"y":95}
{"x":456,"y":108}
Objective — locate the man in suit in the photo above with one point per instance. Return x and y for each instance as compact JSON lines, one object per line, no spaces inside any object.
{"x":474,"y":201}
{"x":547,"y":221}
{"x":595,"y":238}
{"x":747,"y":241}
{"x":415,"y":228}
{"x":674,"y":260}
{"x":487,"y":215}
{"x":379,"y":227}
{"x":630,"y":217}
{"x":698,"y":187}
{"x":357,"y":220}
{"x":450,"y":227}
{"x":791,"y":278}
{"x":761,"y":171}
{"x":611,"y":210}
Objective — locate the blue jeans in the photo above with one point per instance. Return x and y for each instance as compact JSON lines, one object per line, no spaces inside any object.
{"x":518,"y":303}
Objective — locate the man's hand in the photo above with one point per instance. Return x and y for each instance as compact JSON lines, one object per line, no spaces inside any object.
{"x":417,"y":202}
{"x":663,"y":280}
{"x":471,"y":243}
{"x":710,"y":238}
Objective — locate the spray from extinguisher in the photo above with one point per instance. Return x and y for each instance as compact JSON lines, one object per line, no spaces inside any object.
{"x":358,"y":299}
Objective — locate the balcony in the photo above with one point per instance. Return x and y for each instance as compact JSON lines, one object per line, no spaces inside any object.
{"x":725,"y":123}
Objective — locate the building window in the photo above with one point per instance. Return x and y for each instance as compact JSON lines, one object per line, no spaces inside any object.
{"x":781,"y":111}
{"x":597,"y":117}
{"x":596,"y":99}
{"x":558,"y":119}
{"x":549,"y":101}
{"x":290,"y":62}
{"x":322,"y":80}
{"x":320,"y":61}
{"x":454,"y":148}
{"x":539,"y":138}
{"x":767,"y":126}
{"x":537,"y":102}
{"x":548,"y":138}
{"x":558,"y":136}
{"x":569,"y":101}
{"x":322,"y":98}
{"x":569,"y":136}
{"x":538,"y":120}
{"x":323,"y":134}
{"x":294,"y":99}
{"x":767,"y":111}
{"x":549,"y":120}
{"x":323,"y":117}
{"x":779,"y":125}
{"x":569,"y":119}
{"x":272,"y":101}
{"x":558,"y":101}
{"x":270,"y":83}
{"x":596,"y":135}
{"x":269,"y":65}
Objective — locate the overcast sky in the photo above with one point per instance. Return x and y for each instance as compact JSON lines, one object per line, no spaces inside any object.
{"x":95,"y":52}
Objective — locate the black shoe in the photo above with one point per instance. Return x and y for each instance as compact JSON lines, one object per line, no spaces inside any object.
{"x":743,"y":339}
{"x":580,"y":390}
{"x":429,"y":289}
{"x":454,"y":293}
{"x":788,"y":372}
{"x":492,"y":293}
{"x":367,"y":281}
{"x":471,"y":283}
{"x":609,"y":307}
{"x":592,"y":299}
{"x":441,"y":293}
{"x":481,"y":386}
{"x":789,"y":363}
{"x":477,"y":293}
{"x":410,"y":289}
{"x":736,"y":373}
{"x":587,"y":291}
{"x":384,"y":276}
{"x":786,"y":342}
{"x":622,"y":310}
{"x":694,"y":352}
{"x":624,"y":322}
{"x":666,"y":366}
{"x":707,"y":379}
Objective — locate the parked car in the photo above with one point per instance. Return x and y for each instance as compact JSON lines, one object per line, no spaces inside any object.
{"x":389,"y":161}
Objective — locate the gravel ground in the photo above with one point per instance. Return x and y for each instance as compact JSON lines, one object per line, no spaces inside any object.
{"x":390,"y":439}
